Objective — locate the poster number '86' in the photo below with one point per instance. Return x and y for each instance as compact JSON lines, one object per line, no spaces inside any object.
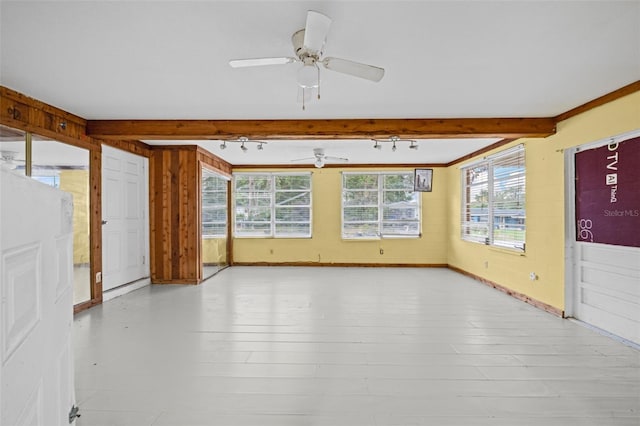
{"x":584,"y":230}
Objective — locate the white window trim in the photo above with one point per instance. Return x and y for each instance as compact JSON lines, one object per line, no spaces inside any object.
{"x":272,"y":205}
{"x":380,"y":207}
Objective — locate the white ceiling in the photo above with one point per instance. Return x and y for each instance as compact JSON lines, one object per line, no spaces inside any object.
{"x":453,"y":59}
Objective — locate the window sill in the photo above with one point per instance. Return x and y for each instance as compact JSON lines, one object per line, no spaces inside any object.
{"x":505,"y":250}
{"x":397,"y":237}
{"x":499,"y":249}
{"x":269,"y":237}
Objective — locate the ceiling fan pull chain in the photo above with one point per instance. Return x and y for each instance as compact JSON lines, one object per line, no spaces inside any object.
{"x":303,"y":95}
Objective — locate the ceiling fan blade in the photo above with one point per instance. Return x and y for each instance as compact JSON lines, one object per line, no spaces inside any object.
{"x":315,"y":31}
{"x":330,"y":158}
{"x":356,"y":69}
{"x":258,"y":62}
{"x":304,"y":159}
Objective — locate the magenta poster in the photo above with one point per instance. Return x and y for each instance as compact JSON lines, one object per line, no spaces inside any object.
{"x":608,"y":194}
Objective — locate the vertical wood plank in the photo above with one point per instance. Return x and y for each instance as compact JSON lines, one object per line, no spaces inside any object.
{"x":95,"y":222}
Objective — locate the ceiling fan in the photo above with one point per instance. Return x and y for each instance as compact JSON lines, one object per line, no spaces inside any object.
{"x":320,"y":158}
{"x":308,"y":45}
{"x":8,"y":160}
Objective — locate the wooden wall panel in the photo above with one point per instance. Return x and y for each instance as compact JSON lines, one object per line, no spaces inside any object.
{"x":134,"y":147}
{"x":28,"y":114}
{"x":214,"y":162}
{"x":174,"y":218}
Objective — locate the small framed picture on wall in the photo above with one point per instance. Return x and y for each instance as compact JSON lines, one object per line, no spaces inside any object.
{"x":422,"y":180}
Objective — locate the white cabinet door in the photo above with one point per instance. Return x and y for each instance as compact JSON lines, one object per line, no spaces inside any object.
{"x":124,"y":230}
{"x":36,"y":303}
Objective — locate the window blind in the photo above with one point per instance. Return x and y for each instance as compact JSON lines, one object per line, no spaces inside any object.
{"x":493,"y":200}
{"x":214,"y":205}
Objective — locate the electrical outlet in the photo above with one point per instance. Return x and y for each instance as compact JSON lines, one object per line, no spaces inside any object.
{"x":381,"y":251}
{"x":98,"y":277}
{"x":486,"y":264}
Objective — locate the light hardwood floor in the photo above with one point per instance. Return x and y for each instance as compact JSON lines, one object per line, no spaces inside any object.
{"x":292,"y":346}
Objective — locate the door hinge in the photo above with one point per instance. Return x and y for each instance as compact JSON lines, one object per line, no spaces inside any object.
{"x":144,"y":259}
{"x":73,"y":414}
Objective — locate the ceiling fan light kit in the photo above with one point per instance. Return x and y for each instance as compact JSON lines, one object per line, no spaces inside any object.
{"x":319,"y":158}
{"x":308,"y":45}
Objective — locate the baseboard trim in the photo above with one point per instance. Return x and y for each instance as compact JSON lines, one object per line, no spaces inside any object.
{"x":189,"y":281}
{"x":520,"y":296}
{"x":345,"y":265}
{"x":125,"y":288}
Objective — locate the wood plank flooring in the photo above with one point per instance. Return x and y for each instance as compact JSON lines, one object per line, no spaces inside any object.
{"x":345,"y":346}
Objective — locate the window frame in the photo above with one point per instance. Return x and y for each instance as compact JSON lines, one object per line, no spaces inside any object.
{"x":273,"y":207}
{"x":491,"y":163}
{"x":380,"y":206}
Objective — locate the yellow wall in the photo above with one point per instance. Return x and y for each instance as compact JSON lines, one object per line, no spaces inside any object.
{"x":214,"y":251}
{"x":544,"y":203}
{"x":76,"y":182}
{"x":440,"y":242}
{"x":326,"y":244}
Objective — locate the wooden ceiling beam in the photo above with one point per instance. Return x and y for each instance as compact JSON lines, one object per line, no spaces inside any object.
{"x":418,"y":128}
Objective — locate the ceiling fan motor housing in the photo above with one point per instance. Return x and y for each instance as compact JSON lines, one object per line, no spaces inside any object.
{"x":308,"y":57}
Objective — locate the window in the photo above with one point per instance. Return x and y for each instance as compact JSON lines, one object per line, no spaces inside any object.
{"x":272,"y":205}
{"x":493,"y":195}
{"x":214,"y":205}
{"x":376,"y":205}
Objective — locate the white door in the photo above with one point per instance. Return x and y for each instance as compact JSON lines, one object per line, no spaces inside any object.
{"x":36,"y":309}
{"x":124,"y":229}
{"x":603,"y":222}
{"x":607,"y":293}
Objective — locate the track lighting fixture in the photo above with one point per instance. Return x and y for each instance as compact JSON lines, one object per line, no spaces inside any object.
{"x":243,"y":141}
{"x":393,"y":140}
